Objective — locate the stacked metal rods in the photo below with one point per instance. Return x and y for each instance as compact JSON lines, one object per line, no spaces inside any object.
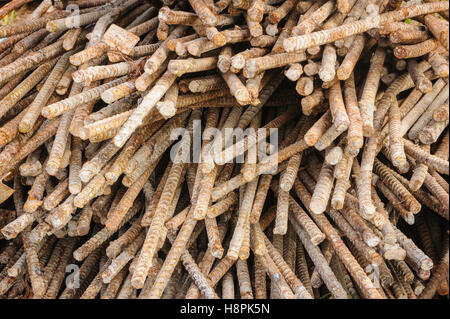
{"x":224,"y":149}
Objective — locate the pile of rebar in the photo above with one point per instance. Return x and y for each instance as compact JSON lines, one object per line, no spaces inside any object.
{"x":224,"y":149}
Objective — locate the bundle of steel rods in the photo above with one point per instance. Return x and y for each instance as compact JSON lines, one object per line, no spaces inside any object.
{"x":224,"y":149}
